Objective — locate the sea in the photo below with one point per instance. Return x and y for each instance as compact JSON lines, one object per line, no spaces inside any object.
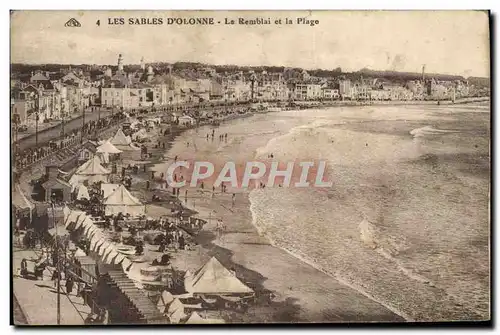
{"x":406,"y":220}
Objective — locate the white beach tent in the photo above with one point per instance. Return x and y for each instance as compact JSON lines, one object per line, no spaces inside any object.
{"x":120,"y":139}
{"x":20,"y":201}
{"x":214,"y":278}
{"x":195,"y":318}
{"x":109,"y":148}
{"x":105,"y":150}
{"x":121,"y":201}
{"x":175,"y":311}
{"x":82,"y":192}
{"x":91,"y":171}
{"x":91,"y":161}
{"x":165,"y":300}
{"x":108,"y":189}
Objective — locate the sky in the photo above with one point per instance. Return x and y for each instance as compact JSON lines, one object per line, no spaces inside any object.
{"x":448,"y":42}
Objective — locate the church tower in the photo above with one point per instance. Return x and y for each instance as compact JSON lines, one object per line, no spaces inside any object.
{"x":150,"y":73}
{"x":143,"y":66}
{"x":120,"y":63}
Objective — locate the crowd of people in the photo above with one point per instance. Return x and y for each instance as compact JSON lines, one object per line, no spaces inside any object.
{"x":29,"y":156}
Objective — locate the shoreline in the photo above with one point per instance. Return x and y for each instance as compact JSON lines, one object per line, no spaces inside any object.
{"x":253,"y":254}
{"x":319,"y":268}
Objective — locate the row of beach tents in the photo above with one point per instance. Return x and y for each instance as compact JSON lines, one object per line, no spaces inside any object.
{"x":99,"y":243}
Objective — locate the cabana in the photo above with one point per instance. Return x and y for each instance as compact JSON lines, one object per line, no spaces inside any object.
{"x":108,"y":189}
{"x":82,"y":192}
{"x":195,"y":318}
{"x":107,"y":151}
{"x":214,"y":279}
{"x":91,"y":171}
{"x":22,"y":204}
{"x":99,"y":244}
{"x":121,"y":201}
{"x":120,"y":139}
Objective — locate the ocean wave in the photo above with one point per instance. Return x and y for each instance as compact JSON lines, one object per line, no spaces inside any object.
{"x":429,"y":130}
{"x":368,"y":229}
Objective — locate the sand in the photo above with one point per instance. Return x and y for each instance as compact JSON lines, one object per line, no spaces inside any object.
{"x":302,"y":292}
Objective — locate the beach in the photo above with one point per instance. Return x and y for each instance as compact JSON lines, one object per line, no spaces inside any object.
{"x":402,"y":235}
{"x":372,"y":264}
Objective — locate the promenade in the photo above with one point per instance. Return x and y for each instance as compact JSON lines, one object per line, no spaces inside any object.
{"x":37,"y":299}
{"x":50,"y":131}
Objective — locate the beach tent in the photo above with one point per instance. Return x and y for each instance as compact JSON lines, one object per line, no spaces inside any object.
{"x":121,"y":201}
{"x":165,"y":300}
{"x":214,"y":278}
{"x":108,"y":189}
{"x":109,"y":148}
{"x":89,"y":162}
{"x":71,"y":217}
{"x":195,"y":318}
{"x":104,"y":156}
{"x":175,"y":311}
{"x":91,"y":171}
{"x":82,"y":192}
{"x":20,"y":201}
{"x":120,"y":138}
{"x":105,"y":150}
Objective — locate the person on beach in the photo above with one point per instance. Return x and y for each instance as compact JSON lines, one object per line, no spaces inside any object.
{"x":55,"y":276}
{"x":69,"y":285}
{"x":182,"y":242}
{"x":202,"y":185}
{"x":175,"y":158}
{"x":233,"y":199}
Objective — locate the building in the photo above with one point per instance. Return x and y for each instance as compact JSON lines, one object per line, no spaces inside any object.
{"x":330,"y":92}
{"x":22,"y":105}
{"x":307,"y":91}
{"x":379,"y":95}
{"x":417,"y":88}
{"x":87,"y":151}
{"x":363,"y":92}
{"x":345,"y":89}
{"x":436,"y":90}
{"x":55,"y":189}
{"x":271,"y":87}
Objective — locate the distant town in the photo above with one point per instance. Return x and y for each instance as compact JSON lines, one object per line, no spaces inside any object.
{"x":56,"y":92}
